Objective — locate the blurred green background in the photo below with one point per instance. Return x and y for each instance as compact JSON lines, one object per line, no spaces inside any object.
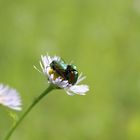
{"x":102,"y":37}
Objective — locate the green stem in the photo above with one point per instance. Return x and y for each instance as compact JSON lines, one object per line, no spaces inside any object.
{"x":50,"y":88}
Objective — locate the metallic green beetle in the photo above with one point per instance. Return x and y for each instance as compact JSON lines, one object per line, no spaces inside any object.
{"x":71,"y":74}
{"x":67,"y":72}
{"x":59,"y":67}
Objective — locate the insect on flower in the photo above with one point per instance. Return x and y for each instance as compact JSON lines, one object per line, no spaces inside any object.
{"x":67,"y":72}
{"x":59,"y":68}
{"x":62,"y":75}
{"x":71,"y":74}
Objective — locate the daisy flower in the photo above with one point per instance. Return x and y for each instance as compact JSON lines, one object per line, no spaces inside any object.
{"x":9,"y":97}
{"x":61,"y":77}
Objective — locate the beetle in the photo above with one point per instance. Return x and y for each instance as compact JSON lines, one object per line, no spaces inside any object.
{"x":71,"y":74}
{"x":59,"y":67}
{"x":66,"y":71}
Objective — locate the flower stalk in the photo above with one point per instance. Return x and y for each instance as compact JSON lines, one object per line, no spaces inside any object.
{"x":60,"y":75}
{"x":48,"y":90}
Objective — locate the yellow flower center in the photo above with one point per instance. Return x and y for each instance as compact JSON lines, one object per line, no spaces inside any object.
{"x":56,"y":75}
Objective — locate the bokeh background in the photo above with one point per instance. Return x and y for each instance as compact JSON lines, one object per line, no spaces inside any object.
{"x":101,"y":37}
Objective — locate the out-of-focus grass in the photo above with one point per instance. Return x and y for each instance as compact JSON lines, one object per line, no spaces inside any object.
{"x":103,"y":40}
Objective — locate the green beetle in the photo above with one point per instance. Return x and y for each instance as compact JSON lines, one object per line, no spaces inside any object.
{"x":67,"y":72}
{"x":59,"y":67}
{"x":71,"y":74}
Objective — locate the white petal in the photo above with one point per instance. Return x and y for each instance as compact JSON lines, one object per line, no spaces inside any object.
{"x":9,"y":97}
{"x":79,"y":89}
{"x":46,"y":60}
{"x":56,"y":58}
{"x":37,"y":69}
{"x":63,"y":84}
{"x":49,"y":59}
{"x":80,"y":78}
{"x":80,"y":75}
{"x":60,"y":83}
{"x":50,"y":77}
{"x":42,"y":66}
{"x":69,"y":93}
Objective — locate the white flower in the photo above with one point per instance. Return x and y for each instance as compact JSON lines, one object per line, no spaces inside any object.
{"x":59,"y":81}
{"x":9,"y":97}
